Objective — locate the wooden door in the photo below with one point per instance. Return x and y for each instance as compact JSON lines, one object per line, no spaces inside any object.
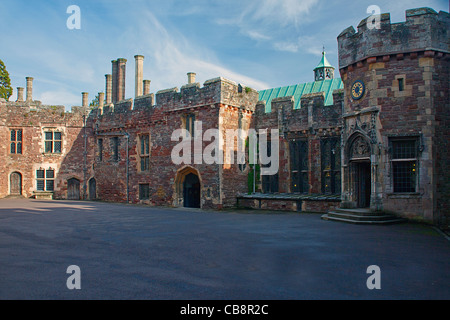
{"x":73,"y":189}
{"x":16,"y":184}
{"x":92,"y":189}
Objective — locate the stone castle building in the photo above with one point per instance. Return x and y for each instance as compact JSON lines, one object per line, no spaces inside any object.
{"x":376,"y":138}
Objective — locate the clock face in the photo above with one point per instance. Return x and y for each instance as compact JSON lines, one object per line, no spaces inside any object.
{"x":357,"y":90}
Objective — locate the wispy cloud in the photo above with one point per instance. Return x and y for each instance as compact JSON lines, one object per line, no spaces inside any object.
{"x":272,"y":21}
{"x":170,"y":55}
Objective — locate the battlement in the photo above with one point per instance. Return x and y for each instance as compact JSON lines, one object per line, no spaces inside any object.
{"x":423,"y":30}
{"x":39,"y":108}
{"x":214,"y":91}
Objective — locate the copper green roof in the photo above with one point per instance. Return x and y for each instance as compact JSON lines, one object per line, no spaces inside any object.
{"x":298,"y":90}
{"x":324,"y":62}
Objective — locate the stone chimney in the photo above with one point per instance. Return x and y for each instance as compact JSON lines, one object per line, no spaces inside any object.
{"x":139,"y":75}
{"x":146,"y":87}
{"x":85,"y":99}
{"x":121,"y":73}
{"x":108,"y":89}
{"x":29,"y":88}
{"x":101,"y":99}
{"x":19,"y":94}
{"x":114,"y":81}
{"x":191,"y":77}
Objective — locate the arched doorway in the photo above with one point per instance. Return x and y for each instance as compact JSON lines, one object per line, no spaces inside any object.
{"x":191,"y":191}
{"x":73,"y":189}
{"x":359,"y":153}
{"x":92,"y":189}
{"x":187,"y":188}
{"x":15,"y":184}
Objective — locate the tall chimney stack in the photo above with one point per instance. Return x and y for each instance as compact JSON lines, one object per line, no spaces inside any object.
{"x":29,"y":88}
{"x":101,"y":100}
{"x":139,"y":74}
{"x":114,"y":81}
{"x":85,"y":99}
{"x":191,"y":77}
{"x":146,"y":87}
{"x":108,"y":89}
{"x":19,"y":94}
{"x":121,"y":74}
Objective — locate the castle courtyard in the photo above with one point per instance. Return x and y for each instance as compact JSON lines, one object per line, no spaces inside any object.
{"x":126,"y":251}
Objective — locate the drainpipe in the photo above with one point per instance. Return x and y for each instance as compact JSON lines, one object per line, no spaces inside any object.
{"x":128,"y":174}
{"x":84,"y":157}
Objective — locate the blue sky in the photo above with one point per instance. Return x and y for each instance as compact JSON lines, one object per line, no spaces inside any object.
{"x":259,"y":43}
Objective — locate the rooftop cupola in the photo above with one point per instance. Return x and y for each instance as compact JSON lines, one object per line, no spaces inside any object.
{"x":324,"y":69}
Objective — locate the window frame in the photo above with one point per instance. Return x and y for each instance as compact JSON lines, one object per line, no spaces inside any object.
{"x":50,"y":144}
{"x":47,"y":180}
{"x":189,"y":124}
{"x":330,"y":169}
{"x":299,"y":165}
{"x":144,"y":152}
{"x":16,"y":144}
{"x":396,"y":161}
{"x":115,"y":153}
{"x":100,"y":149}
{"x":144,"y":194}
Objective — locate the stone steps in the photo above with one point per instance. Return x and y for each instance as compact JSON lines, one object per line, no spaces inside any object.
{"x":361,"y":216}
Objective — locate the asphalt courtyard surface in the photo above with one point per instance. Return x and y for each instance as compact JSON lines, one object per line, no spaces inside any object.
{"x":135,"y":252}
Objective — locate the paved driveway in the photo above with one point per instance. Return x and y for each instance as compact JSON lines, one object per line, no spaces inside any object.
{"x":136,"y":252}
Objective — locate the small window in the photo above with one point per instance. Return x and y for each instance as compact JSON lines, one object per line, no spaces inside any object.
{"x":144,"y":191}
{"x":115,"y":148}
{"x":401,"y":84}
{"x":144,"y":152}
{"x":100,"y":149}
{"x":16,"y":141}
{"x":45,"y":180}
{"x":190,"y":121}
{"x":53,"y":142}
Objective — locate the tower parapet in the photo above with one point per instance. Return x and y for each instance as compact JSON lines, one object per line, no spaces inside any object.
{"x":423,"y":30}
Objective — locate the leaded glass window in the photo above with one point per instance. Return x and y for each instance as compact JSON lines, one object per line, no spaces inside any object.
{"x":298,"y":150}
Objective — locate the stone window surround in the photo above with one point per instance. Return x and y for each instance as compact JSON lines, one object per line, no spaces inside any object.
{"x":16,"y":141}
{"x":415,"y":137}
{"x":140,"y":153}
{"x":45,"y":179}
{"x":46,"y":129}
{"x":407,"y":89}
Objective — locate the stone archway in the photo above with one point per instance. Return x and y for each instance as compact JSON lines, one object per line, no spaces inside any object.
{"x":358,"y":170}
{"x":188,"y":188}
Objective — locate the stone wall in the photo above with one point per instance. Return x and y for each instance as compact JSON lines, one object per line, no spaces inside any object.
{"x":211,"y":105}
{"x":34,"y":120}
{"x":416,"y":53}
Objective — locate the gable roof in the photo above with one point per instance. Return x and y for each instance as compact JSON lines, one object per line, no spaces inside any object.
{"x":298,"y":90}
